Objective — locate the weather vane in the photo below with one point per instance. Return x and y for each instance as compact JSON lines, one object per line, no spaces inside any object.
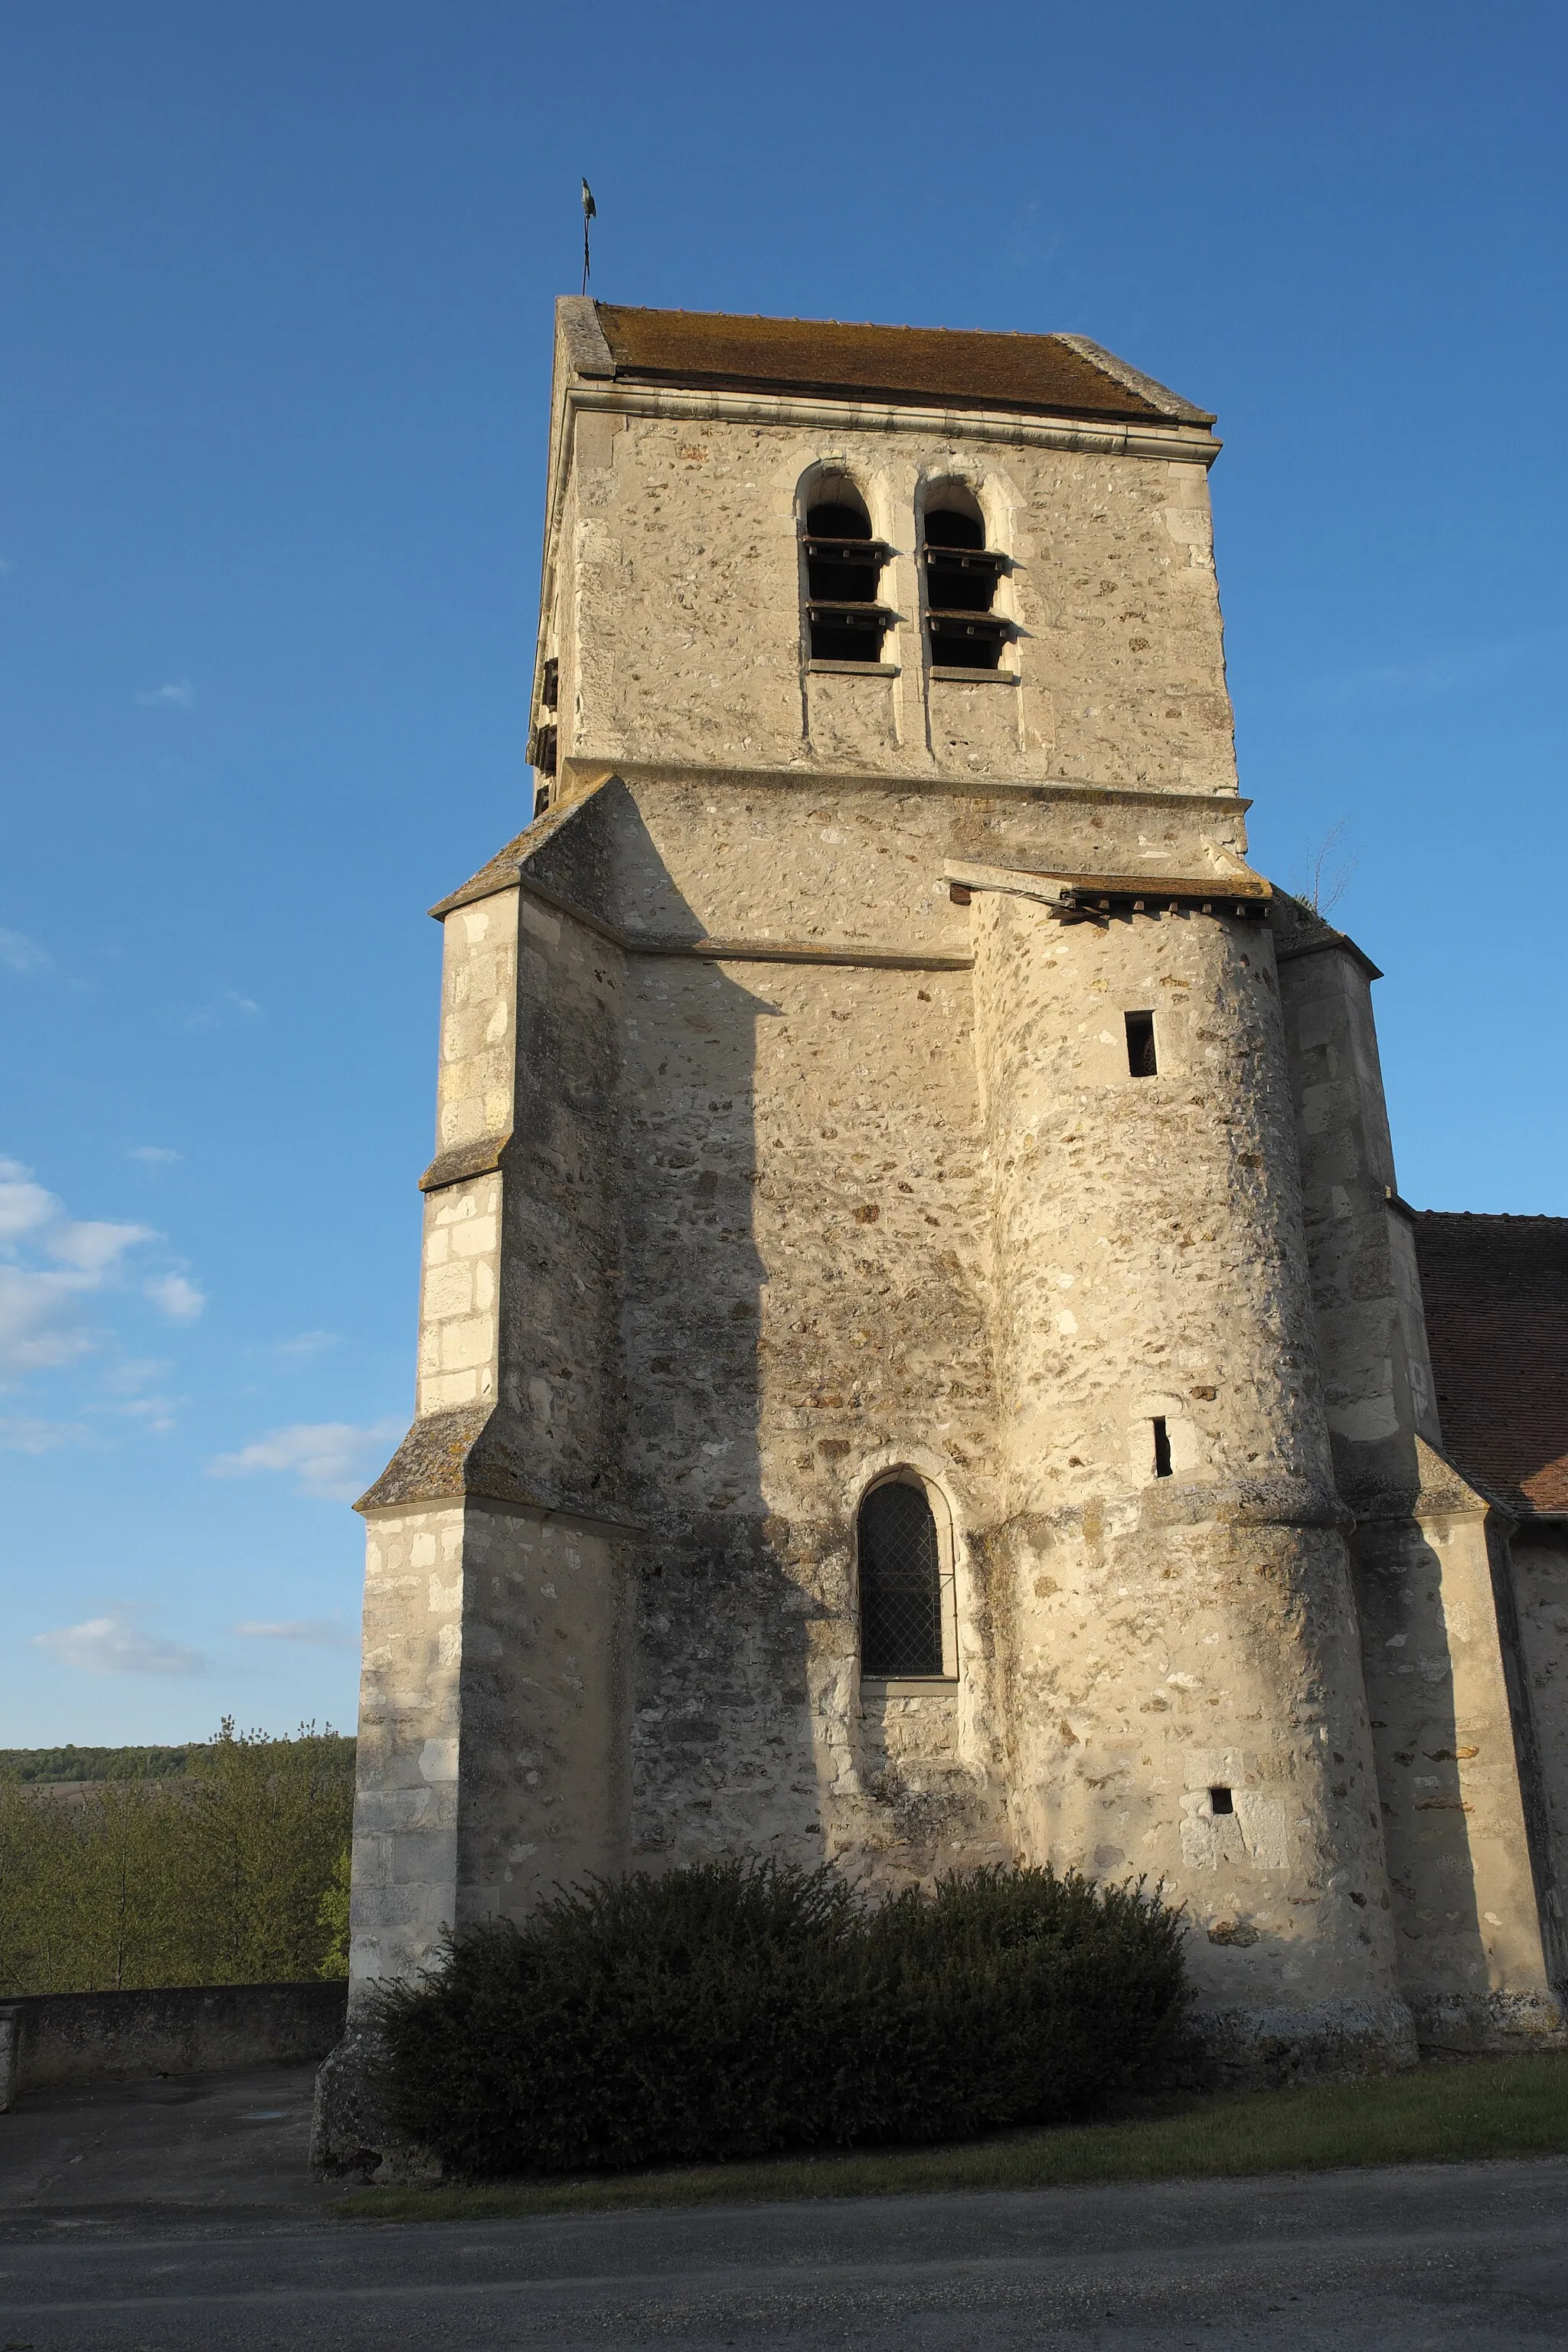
{"x":590,"y":212}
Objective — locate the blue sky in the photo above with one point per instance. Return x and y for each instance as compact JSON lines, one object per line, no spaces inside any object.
{"x":277,"y":285}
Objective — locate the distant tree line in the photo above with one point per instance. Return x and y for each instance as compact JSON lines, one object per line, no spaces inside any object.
{"x":228,"y":1868}
{"x":71,"y":1763}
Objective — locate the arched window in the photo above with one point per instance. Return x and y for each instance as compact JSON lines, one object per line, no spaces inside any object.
{"x":843,"y":574}
{"x":962,"y":576}
{"x":900,"y":1582}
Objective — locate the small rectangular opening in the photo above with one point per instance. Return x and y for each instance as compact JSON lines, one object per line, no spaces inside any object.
{"x":1220,"y":1801}
{"x":1161,"y":1448}
{"x":1141,"y":1058}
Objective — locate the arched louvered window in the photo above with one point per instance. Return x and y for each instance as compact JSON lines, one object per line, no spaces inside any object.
{"x":900,"y":1583}
{"x":843,"y":576}
{"x":962,"y":577}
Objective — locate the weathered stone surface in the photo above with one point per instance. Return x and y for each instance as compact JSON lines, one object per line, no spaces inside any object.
{"x":769,"y":1162}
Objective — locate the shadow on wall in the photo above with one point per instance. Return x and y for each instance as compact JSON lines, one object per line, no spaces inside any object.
{"x":720,"y":1723}
{"x":1427,"y":1815}
{"x":747,"y":1732}
{"x":720,"y":1720}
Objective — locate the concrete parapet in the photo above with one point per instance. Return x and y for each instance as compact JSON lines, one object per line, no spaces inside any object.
{"x":60,"y":2038}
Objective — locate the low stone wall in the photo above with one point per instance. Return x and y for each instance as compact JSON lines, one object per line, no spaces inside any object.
{"x":100,"y":2037}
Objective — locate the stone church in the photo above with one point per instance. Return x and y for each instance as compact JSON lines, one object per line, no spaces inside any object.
{"x":921,"y":1354}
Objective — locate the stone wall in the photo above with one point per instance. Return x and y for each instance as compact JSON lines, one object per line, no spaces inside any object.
{"x":1458,"y":1771}
{"x":1173,"y":1635}
{"x":55,"y":2039}
{"x":1539,"y":1560}
{"x":677,"y":624}
{"x":1461,"y":1789}
{"x":770,"y":1161}
{"x":1370,"y":1336}
{"x":492,"y":1709}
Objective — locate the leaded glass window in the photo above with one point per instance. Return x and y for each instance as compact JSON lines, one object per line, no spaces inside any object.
{"x":901,"y":1583}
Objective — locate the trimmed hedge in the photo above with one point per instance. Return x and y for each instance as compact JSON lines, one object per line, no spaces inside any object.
{"x":738,"y":2007}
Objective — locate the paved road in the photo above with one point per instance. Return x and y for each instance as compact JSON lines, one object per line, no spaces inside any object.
{"x":125,"y":2155}
{"x":1469,"y":2258}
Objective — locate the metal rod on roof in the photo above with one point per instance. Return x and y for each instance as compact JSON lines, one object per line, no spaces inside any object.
{"x":590,"y":212}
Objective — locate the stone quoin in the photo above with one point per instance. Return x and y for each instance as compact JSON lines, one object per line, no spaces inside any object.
{"x":877,"y":1064}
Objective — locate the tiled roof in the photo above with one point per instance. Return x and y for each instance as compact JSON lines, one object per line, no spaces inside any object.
{"x":935,"y":366}
{"x":1495,"y":1291}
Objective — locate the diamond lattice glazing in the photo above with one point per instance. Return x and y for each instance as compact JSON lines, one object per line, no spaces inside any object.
{"x":900,"y":1584}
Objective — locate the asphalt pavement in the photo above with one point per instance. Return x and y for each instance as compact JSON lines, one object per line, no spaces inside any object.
{"x":177,"y":2218}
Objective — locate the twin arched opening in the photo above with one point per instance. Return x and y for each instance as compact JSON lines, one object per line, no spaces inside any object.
{"x":845,"y":620}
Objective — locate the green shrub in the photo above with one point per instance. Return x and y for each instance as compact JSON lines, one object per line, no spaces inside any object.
{"x":214,"y":1875}
{"x":333,"y":1915}
{"x":738,"y":2008}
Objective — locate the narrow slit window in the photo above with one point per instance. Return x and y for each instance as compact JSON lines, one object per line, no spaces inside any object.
{"x":962,"y":577}
{"x":900,"y":1583}
{"x":1141,"y":1056}
{"x":1161,"y":1447}
{"x":1220,"y":1801}
{"x":845,"y":620}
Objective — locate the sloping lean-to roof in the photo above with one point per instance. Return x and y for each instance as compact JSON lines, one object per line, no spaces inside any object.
{"x":940,"y":367}
{"x":1496,"y":1292}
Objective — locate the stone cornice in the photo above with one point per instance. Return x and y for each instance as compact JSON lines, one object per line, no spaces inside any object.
{"x":1336,"y":941}
{"x":465,"y":1161}
{"x":593,"y":768}
{"x":1191,"y":444}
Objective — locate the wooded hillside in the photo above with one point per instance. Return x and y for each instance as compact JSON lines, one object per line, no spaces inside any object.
{"x":228,"y":1868}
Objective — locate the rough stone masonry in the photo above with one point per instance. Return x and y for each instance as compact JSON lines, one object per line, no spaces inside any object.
{"x":876,"y":1062}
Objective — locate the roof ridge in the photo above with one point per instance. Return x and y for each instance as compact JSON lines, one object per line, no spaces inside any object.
{"x":1010,"y":368}
{"x":1148,"y":387}
{"x":1499,"y":1216}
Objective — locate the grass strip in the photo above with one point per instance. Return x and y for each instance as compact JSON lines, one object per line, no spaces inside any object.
{"x":1441,"y":2113}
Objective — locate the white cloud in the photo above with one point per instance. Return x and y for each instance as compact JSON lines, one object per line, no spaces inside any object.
{"x":132,"y":1381}
{"x":153,"y":1155}
{"x":22,"y":1436}
{"x":116,"y":1644}
{"x":320,"y":1632}
{"x":90,"y":1245}
{"x":94,"y":1247}
{"x":172,"y":1296}
{"x":333,"y":1459}
{"x":1457,"y":670}
{"x":209,"y":1016}
{"x":309,"y":1343}
{"x":157,"y":1411}
{"x":24,"y":1205}
{"x":19,"y":953}
{"x":178,"y":694}
{"x":41,"y":1321}
{"x":135,"y":1374}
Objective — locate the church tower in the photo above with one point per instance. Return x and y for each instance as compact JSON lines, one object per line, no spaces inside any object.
{"x":888,"y":1311}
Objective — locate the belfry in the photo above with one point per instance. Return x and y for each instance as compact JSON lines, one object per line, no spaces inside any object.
{"x":922,"y":1353}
